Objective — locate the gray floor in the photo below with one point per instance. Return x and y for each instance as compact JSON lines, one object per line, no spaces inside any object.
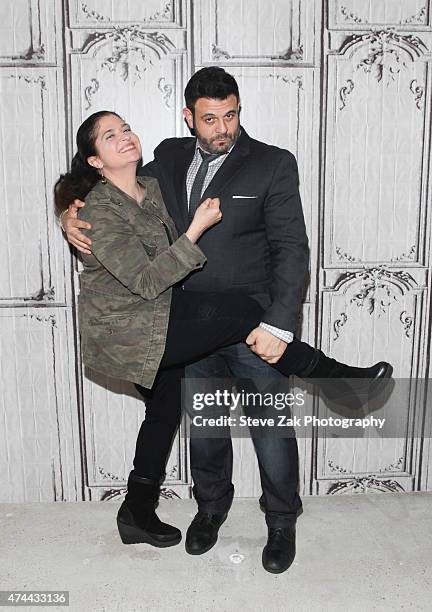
{"x":364,"y":552}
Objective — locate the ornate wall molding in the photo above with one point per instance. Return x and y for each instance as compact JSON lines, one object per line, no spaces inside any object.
{"x":344,"y":92}
{"x":354,"y":15}
{"x":130,"y":45}
{"x":169,"y":14}
{"x":42,"y":295}
{"x":130,"y":56}
{"x":32,"y":54}
{"x":162,"y":14}
{"x":289,"y":55}
{"x":43,"y":318}
{"x":387,"y":52}
{"x":293,"y":41}
{"x":343,"y":256}
{"x":89,"y":14}
{"x":167,"y":90}
{"x":379,"y":289}
{"x":417,"y":91}
{"x":410,"y":255}
{"x":407,"y":322}
{"x":34,"y":23}
{"x":382,"y":42}
{"x":41,"y":287}
{"x":41,"y":79}
{"x":297,"y":80}
{"x":417,"y":18}
{"x":343,"y":318}
{"x":375,"y":278}
{"x":90,"y":90}
{"x":361,"y":484}
{"x":364,"y":484}
{"x":351,"y":17}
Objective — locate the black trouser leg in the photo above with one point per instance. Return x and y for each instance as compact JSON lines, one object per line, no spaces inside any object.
{"x":163,"y":411}
{"x":201,"y":323}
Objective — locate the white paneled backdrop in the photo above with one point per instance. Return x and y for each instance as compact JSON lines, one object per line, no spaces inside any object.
{"x":345,"y":85}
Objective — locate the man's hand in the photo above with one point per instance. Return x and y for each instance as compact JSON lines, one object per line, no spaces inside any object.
{"x":265,"y":345}
{"x":72,"y":225}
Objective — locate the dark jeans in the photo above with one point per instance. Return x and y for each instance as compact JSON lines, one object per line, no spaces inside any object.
{"x":200,"y":324}
{"x":211,"y":459}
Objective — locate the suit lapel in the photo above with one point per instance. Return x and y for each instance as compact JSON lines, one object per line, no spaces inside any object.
{"x":175,"y":162}
{"x":181,"y":166}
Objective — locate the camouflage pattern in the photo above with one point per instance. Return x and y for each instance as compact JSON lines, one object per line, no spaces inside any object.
{"x":125,"y":293}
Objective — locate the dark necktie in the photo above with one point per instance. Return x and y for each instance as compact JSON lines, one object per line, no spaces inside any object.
{"x":195,"y":195}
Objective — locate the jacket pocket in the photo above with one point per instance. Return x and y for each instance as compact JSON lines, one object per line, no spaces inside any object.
{"x":112,"y":324}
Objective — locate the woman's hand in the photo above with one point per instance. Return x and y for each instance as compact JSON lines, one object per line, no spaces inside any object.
{"x":206,"y":215}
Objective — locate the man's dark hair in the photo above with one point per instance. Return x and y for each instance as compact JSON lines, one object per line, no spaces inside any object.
{"x":210,"y":82}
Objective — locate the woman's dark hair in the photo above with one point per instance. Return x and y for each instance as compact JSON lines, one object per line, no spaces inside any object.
{"x":210,"y":82}
{"x":82,"y":177}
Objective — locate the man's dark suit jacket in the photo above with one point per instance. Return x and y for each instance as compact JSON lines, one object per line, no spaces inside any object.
{"x":260,"y":247}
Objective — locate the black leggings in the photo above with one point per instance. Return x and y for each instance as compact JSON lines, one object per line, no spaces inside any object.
{"x":199,"y":324}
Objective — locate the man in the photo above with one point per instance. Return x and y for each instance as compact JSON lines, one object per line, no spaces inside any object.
{"x":261,"y":249}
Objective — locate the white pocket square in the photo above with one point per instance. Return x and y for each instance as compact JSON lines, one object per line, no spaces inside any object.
{"x":237,"y":197}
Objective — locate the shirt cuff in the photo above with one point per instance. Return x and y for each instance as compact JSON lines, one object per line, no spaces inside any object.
{"x":282,"y":334}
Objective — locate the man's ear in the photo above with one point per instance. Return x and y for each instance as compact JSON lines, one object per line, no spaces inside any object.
{"x":188,"y":117}
{"x":95,"y":162}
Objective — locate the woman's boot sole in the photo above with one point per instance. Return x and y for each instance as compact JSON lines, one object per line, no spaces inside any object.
{"x":134,"y":535}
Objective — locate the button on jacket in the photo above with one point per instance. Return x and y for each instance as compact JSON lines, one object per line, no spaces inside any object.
{"x":125,"y":293}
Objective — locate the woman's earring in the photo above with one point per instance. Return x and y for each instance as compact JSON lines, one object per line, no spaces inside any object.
{"x":103,"y":179}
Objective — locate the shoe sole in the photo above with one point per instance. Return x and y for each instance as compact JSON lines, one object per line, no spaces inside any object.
{"x":281,"y":571}
{"x":201,"y":551}
{"x":133,"y":535}
{"x":274,"y":571}
{"x":208,"y":547}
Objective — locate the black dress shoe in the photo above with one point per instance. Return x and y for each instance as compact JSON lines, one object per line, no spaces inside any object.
{"x":203,"y":532}
{"x":279,"y":552}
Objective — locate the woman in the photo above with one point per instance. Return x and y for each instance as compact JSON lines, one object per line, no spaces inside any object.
{"x":136,"y":323}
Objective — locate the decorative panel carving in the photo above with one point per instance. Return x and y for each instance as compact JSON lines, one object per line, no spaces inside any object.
{"x":138,"y":74}
{"x":151,"y":13}
{"x":256,"y":32}
{"x":348,"y":466}
{"x":375,"y":156}
{"x":359,"y":14}
{"x":32,"y":248}
{"x":372,"y":315}
{"x":38,"y":438}
{"x":378,"y":309}
{"x":24,"y":26}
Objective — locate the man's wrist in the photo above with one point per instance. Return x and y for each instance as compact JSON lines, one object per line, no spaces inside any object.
{"x":282,"y":334}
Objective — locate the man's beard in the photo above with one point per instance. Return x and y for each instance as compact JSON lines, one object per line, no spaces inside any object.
{"x":208,"y":144}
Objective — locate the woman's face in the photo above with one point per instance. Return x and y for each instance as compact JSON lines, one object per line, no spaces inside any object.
{"x":115,"y":144}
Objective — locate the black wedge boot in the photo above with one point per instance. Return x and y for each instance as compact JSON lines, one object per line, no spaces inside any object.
{"x":137,"y":520}
{"x":342,"y":381}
